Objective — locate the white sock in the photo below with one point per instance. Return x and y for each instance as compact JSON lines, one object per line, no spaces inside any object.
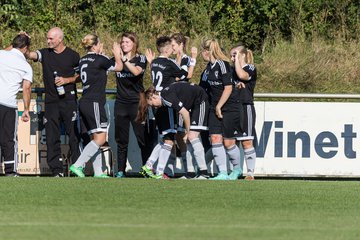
{"x":154,"y":156}
{"x":88,"y":152}
{"x":97,"y":164}
{"x":219,"y":153}
{"x":190,"y":158}
{"x":199,"y":154}
{"x":234,"y":156}
{"x":164,"y":155}
{"x":250,"y":159}
{"x":242,"y":156}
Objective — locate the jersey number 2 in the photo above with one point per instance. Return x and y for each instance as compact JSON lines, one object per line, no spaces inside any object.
{"x":157,"y":78}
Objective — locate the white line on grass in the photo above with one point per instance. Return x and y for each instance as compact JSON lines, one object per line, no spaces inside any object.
{"x":177,"y":225}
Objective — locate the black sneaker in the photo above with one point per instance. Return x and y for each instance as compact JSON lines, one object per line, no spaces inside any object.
{"x":58,"y":175}
{"x":190,"y":174}
{"x":11,"y":175}
{"x":202,"y":177}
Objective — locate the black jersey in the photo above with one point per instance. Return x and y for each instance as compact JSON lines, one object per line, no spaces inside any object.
{"x":65,"y":64}
{"x":205,"y":84}
{"x":185,"y":64}
{"x":214,"y":78}
{"x":183,"y":94}
{"x":93,"y":73}
{"x":247,"y":94}
{"x":164,"y":71}
{"x":128,"y":85}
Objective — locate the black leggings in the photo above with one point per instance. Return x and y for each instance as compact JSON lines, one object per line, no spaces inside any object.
{"x":124,"y":115}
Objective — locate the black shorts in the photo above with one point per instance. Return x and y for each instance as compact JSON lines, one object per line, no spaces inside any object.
{"x":230,"y":126}
{"x":248,"y":123}
{"x":166,"y":119}
{"x":198,"y":118}
{"x":93,"y":116}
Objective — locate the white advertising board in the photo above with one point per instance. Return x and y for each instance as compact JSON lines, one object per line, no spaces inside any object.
{"x":308,"y":139}
{"x":294,"y":139}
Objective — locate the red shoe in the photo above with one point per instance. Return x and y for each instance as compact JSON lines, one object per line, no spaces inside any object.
{"x":164,"y":176}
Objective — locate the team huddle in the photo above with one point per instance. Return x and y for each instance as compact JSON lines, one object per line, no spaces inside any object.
{"x":211,"y":118}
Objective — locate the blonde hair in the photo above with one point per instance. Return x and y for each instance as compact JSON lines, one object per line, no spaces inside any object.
{"x":249,"y":56}
{"x":89,"y":41}
{"x":213,"y":46}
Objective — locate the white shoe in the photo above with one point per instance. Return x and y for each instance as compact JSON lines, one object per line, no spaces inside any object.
{"x":202,"y":177}
{"x":183,"y":178}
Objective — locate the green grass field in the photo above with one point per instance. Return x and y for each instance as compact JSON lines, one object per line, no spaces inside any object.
{"x":73,"y":208}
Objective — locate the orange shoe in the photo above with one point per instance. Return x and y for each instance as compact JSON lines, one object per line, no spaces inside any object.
{"x":249,"y":178}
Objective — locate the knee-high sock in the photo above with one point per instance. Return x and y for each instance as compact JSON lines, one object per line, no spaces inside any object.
{"x":190,"y":158}
{"x":199,"y":154}
{"x":97,"y":163}
{"x":219,"y":153}
{"x":169,"y":168}
{"x":164,"y":154}
{"x":88,"y":152}
{"x":209,"y":156}
{"x":250,"y":159}
{"x":234,"y":156}
{"x":184,"y":160}
{"x":242,"y":156}
{"x":154,"y":156}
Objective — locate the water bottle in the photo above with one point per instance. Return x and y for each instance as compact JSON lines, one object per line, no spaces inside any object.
{"x":60,"y":89}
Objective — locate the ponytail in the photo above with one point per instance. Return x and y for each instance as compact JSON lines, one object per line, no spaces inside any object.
{"x":249,"y":56}
{"x":213,"y":46}
{"x":89,"y":41}
{"x":143,"y":106}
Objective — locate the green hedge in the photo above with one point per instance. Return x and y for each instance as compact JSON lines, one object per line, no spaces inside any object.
{"x":248,"y":21}
{"x":300,"y":45}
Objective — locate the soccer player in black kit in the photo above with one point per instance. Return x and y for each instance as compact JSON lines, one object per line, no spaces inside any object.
{"x":178,"y":42}
{"x":226,"y":112}
{"x":93,"y":72}
{"x":63,"y":61}
{"x":164,"y":71}
{"x":190,"y":101}
{"x":130,"y":91}
{"x":244,"y":74}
